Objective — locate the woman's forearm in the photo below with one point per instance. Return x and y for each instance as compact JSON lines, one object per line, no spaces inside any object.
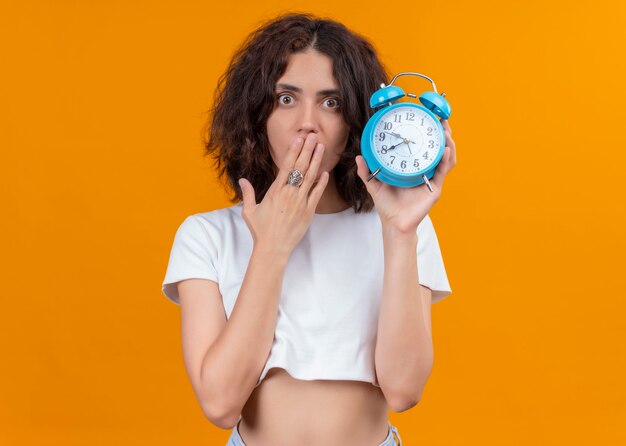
{"x":231,"y":367}
{"x":404,"y":350}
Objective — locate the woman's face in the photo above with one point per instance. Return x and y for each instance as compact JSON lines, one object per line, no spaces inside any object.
{"x":306,"y":103}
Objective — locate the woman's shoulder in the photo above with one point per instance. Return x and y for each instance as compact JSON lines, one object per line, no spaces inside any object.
{"x":214,"y":224}
{"x":219,"y":216}
{"x":222,"y":220}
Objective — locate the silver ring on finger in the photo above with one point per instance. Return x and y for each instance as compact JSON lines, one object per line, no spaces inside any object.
{"x":295,"y":178}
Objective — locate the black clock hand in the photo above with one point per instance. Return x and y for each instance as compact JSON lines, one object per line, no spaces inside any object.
{"x":397,"y":135}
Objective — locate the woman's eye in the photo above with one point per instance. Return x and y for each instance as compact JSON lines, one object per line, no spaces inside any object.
{"x":286,"y":99}
{"x":334,"y":102}
{"x":284,"y":96}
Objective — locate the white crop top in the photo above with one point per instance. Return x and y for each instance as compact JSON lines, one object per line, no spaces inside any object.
{"x":328,"y":312}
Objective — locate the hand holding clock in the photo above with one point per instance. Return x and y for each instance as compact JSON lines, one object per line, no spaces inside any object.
{"x":405,"y":207}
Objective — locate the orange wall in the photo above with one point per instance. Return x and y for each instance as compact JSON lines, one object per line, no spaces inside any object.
{"x":102,"y":105}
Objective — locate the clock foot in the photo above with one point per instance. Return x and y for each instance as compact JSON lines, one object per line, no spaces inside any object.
{"x":427,"y":182}
{"x":372,"y":175}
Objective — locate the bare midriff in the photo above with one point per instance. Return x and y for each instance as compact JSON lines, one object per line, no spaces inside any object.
{"x":284,"y":411}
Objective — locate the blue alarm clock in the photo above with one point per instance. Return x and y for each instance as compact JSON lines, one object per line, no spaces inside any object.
{"x":403,"y":143}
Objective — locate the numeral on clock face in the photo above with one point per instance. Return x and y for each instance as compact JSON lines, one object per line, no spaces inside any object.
{"x":406,"y":139}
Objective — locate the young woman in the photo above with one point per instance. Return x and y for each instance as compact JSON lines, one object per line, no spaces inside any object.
{"x":306,"y":306}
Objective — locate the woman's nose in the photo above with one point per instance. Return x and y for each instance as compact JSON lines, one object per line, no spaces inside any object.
{"x":308,"y":118}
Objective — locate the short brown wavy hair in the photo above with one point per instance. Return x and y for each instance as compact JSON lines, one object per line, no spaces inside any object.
{"x":235,"y":135}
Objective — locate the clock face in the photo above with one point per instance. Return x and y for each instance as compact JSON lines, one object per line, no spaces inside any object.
{"x":406,"y":139}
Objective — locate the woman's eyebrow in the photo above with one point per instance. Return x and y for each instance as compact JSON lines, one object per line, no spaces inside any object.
{"x":299,"y":90}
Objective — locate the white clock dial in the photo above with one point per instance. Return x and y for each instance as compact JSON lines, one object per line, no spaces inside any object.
{"x":406,"y":139}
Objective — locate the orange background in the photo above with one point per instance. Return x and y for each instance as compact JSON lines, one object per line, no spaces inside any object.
{"x":102,"y":106}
